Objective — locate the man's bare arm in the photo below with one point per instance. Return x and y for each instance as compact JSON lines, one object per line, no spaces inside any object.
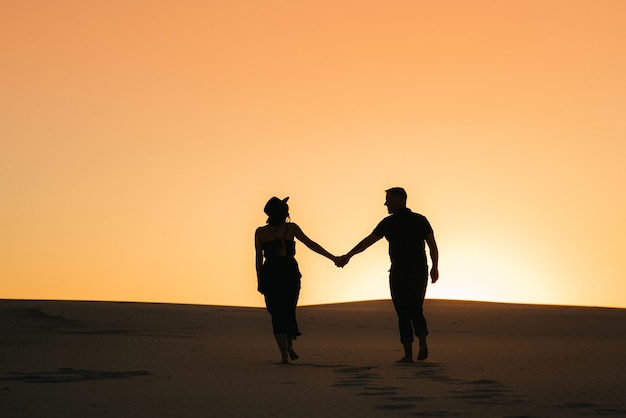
{"x":360,"y":247}
{"x":258,"y":259}
{"x":434,"y":257}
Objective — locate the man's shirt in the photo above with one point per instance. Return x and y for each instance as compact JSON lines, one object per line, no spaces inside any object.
{"x":406,"y":233}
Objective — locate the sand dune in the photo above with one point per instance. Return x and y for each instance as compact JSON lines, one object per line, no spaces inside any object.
{"x":88,"y":359}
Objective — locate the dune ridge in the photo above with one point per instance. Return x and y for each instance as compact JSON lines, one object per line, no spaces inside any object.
{"x":75,"y":358}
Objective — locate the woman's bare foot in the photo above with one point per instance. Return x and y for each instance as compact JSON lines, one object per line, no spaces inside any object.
{"x":405,"y":360}
{"x":293,"y":355}
{"x":281,"y":340}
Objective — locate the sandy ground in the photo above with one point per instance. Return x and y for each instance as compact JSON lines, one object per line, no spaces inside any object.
{"x":105,"y":359}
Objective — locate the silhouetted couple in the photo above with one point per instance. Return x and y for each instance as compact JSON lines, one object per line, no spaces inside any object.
{"x":407,"y":232}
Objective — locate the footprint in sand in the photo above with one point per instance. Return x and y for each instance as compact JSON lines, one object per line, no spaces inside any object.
{"x":67,"y":374}
{"x":484,"y":391}
{"x":355,"y":376}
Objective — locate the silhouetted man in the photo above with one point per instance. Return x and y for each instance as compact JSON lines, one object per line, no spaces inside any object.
{"x":407,"y":233}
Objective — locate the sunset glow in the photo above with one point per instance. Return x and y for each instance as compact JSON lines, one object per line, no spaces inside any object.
{"x":140,"y":141}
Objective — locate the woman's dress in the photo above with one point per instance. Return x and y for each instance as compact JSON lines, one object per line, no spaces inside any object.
{"x":280,"y":284}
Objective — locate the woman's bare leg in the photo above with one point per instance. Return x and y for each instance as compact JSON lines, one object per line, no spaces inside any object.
{"x":292,"y":354}
{"x":281,"y":340}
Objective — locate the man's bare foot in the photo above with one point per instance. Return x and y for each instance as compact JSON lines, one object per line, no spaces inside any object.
{"x":423,"y":353}
{"x":405,"y":360}
{"x":284,"y":360}
{"x":293,"y":355}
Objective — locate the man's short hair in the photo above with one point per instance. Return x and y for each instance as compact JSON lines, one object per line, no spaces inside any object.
{"x":398,"y":192}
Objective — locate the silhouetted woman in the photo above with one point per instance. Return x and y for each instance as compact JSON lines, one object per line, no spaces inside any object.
{"x":277,"y":271}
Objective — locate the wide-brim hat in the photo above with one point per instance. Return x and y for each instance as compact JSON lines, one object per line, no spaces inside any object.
{"x":276,"y":207}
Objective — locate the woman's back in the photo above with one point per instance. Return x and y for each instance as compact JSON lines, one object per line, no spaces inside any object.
{"x":277,"y":240}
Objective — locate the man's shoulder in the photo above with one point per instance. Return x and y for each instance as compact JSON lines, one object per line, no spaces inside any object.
{"x":416,"y":219}
{"x":380,"y":228}
{"x":402,"y":216}
{"x":419,"y":215}
{"x":409,"y":212}
{"x":386,"y":219}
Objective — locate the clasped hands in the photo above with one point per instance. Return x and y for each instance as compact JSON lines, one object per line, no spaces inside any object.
{"x":341,"y":260}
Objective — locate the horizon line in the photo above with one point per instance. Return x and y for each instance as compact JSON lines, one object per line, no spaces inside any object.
{"x":309,"y":305}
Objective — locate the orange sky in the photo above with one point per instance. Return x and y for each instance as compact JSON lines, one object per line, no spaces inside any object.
{"x":141,"y":139}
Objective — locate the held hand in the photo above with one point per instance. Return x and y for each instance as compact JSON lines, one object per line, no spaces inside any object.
{"x":342,"y":261}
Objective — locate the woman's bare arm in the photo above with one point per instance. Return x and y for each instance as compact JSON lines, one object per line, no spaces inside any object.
{"x":312,"y":245}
